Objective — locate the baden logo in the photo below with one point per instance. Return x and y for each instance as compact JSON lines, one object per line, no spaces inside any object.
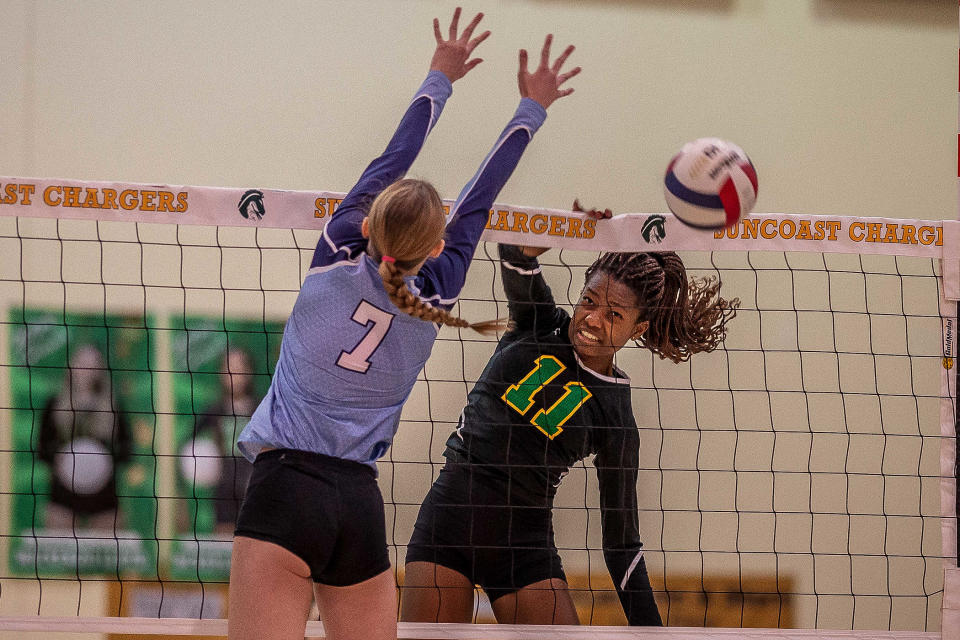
{"x":654,"y":229}
{"x":948,"y":344}
{"x":251,"y":205}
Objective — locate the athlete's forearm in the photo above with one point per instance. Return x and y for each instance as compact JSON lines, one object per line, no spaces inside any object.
{"x":408,"y":139}
{"x":628,"y":570}
{"x":528,"y":295}
{"x":421,"y":115}
{"x":479,"y":193}
{"x":471,"y":210}
{"x":617,"y":469}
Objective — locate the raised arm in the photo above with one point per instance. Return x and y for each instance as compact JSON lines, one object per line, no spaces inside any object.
{"x":441,"y":279}
{"x":528,"y":296}
{"x":451,"y":61}
{"x":617,"y":464}
{"x":530,"y":300}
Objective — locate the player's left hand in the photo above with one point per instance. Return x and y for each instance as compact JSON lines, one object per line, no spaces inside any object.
{"x":596,"y":214}
{"x":452,"y":56}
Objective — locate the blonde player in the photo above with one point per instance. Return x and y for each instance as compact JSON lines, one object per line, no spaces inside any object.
{"x":383,"y":275}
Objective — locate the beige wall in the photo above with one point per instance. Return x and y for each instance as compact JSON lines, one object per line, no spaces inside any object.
{"x":845,"y":106}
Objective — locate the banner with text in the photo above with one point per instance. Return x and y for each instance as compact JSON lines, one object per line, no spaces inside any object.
{"x":271,"y":208}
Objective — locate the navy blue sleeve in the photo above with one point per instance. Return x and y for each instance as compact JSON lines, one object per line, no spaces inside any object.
{"x":341,"y":238}
{"x":617,"y":464}
{"x":441,"y":279}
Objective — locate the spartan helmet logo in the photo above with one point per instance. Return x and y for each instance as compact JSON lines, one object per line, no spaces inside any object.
{"x":251,"y":205}
{"x":653,"y":229}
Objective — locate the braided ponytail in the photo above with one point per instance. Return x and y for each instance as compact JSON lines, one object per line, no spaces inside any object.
{"x":406,"y":222}
{"x":685,"y":316}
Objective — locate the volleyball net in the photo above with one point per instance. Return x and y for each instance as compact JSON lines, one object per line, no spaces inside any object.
{"x":801,"y":476}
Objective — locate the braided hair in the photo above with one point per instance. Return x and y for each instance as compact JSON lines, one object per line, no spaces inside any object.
{"x":406,"y":222}
{"x":685,"y":316}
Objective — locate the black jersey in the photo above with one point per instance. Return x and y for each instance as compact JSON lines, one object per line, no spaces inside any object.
{"x":536,"y":410}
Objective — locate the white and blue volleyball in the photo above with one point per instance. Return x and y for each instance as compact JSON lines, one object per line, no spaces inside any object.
{"x":710,"y":184}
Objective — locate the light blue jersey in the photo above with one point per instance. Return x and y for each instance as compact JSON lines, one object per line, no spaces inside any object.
{"x":349,"y":357}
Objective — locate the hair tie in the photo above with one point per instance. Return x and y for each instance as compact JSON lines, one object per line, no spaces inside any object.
{"x":389,"y":259}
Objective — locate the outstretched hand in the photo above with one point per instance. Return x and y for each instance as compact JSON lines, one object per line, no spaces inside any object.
{"x":596,"y":214}
{"x":452,"y":56}
{"x":543,"y":85}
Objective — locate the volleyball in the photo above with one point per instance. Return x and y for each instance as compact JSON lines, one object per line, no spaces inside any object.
{"x":710,"y":184}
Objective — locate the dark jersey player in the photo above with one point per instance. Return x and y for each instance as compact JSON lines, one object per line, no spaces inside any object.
{"x":549,"y":397}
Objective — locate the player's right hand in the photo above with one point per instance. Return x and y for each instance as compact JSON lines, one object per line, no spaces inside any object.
{"x":452,"y":56}
{"x":543,"y":85}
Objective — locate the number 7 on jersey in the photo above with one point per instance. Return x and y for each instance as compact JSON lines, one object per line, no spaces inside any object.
{"x":378,"y":322}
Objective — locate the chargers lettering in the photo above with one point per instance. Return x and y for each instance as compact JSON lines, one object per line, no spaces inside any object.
{"x":541,"y":223}
{"x":96,"y":198}
{"x":754,"y":228}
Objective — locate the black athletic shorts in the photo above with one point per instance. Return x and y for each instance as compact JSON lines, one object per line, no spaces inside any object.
{"x":466,"y":524}
{"x":327,"y":511}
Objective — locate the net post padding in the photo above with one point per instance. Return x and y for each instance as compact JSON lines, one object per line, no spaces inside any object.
{"x":951,"y":260}
{"x":950,"y":612}
{"x":950,"y":620}
{"x":438,"y":631}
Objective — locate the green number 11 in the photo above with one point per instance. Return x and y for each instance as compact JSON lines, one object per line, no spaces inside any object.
{"x":520,"y":396}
